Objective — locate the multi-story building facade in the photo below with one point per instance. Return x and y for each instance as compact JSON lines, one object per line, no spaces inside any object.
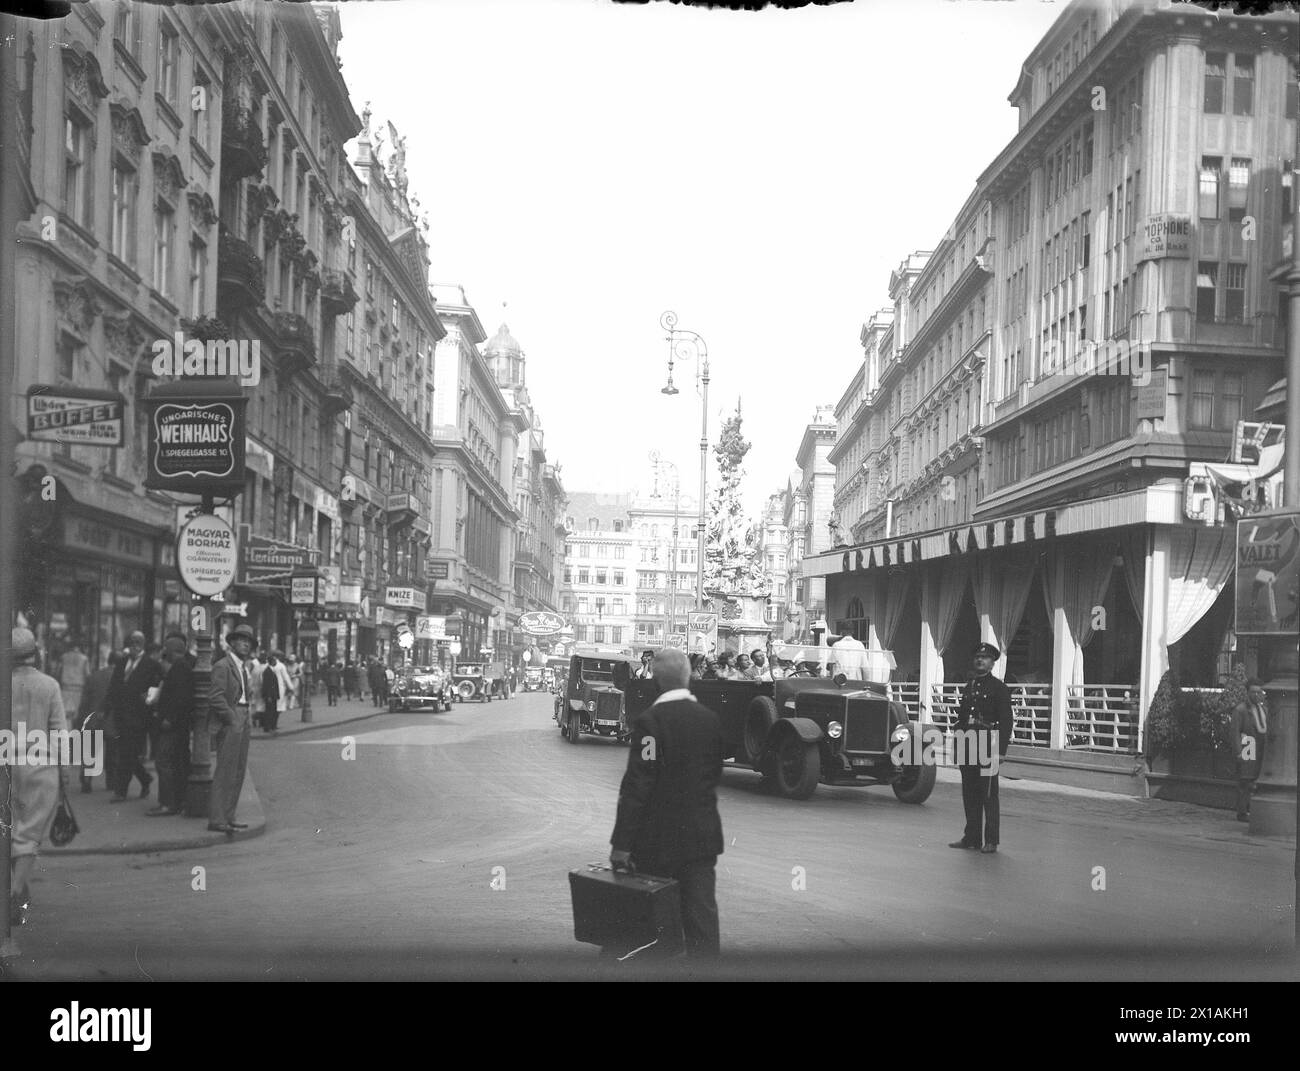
{"x":598,"y":590}
{"x":379,"y":377}
{"x":120,"y":135}
{"x":849,"y":455}
{"x":665,"y":521}
{"x":476,"y":439}
{"x":774,"y":548}
{"x":538,"y":494}
{"x":809,"y":508}
{"x":1100,"y":315}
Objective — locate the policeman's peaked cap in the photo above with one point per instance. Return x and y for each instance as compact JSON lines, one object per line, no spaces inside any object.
{"x":986,"y":649}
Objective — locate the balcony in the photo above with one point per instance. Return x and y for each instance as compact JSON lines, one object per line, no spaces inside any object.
{"x":337,"y":295}
{"x":243,"y":148}
{"x":241,"y":281}
{"x":402,"y":508}
{"x":338,"y":393}
{"x":296,"y":343}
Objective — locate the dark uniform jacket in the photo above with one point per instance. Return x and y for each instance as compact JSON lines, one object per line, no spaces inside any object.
{"x":668,"y":804}
{"x":1241,"y":724}
{"x":176,"y":700}
{"x":126,"y":695}
{"x":986,"y":704}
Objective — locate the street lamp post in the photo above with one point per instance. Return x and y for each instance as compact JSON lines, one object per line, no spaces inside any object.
{"x":672,"y":573}
{"x":684,"y":345}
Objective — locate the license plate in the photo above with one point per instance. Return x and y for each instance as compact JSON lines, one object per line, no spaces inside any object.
{"x":860,"y":762}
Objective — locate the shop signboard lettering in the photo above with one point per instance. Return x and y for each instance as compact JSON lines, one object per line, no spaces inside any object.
{"x":207,"y":555}
{"x":196,"y":438}
{"x":73,"y":415}
{"x":1268,"y":574}
{"x":1166,"y":234}
{"x":407,"y":598}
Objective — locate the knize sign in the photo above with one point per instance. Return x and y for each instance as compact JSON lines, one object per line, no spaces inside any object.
{"x":75,"y":416}
{"x":207,"y":555}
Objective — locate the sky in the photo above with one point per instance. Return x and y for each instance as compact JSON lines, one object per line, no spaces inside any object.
{"x":587,"y":166}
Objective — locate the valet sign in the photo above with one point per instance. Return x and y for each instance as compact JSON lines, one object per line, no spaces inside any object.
{"x":207,"y":554}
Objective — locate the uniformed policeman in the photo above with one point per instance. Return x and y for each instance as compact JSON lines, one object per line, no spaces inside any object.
{"x":985,"y":707}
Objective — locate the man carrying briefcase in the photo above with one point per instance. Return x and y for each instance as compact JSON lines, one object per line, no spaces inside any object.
{"x":668,"y":823}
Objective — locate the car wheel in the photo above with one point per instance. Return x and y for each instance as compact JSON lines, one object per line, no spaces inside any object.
{"x":575,"y":733}
{"x":758,"y":723}
{"x":796,"y":767}
{"x":916,"y":783}
{"x":465,"y":689}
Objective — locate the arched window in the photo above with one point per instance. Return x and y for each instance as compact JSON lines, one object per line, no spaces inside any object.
{"x":855,"y":621}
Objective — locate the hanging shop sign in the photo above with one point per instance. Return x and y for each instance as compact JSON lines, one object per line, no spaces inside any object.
{"x":430,"y":628}
{"x":541,"y":623}
{"x":408,"y":598}
{"x":196,"y":437}
{"x":207,"y":554}
{"x":76,"y":416}
{"x":702,"y":632}
{"x":1166,"y":234}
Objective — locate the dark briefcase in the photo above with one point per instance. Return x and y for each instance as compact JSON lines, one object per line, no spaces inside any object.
{"x":624,"y":911}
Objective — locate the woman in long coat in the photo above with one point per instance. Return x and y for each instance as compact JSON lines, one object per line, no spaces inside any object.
{"x":38,"y":704}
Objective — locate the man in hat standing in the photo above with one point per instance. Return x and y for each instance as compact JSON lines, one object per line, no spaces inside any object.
{"x":229,"y":697}
{"x":985,"y":708}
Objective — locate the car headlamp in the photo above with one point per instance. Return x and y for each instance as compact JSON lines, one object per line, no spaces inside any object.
{"x":900,"y":734}
{"x":834,"y":730}
{"x":591,"y":704}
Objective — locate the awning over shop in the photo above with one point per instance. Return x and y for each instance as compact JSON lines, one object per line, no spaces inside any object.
{"x":1158,"y":504}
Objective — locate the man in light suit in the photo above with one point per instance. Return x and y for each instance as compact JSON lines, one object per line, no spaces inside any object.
{"x":229,"y":697}
{"x":668,"y":823}
{"x":129,"y":709}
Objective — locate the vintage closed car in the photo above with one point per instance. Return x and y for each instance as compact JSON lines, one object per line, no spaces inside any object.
{"x":799,"y":732}
{"x":533,"y":679}
{"x":474,"y":680}
{"x":592,"y":699}
{"x":421,"y":690}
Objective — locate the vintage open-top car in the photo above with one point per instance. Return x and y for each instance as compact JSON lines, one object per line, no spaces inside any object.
{"x":421,"y":689}
{"x":483,"y":681}
{"x":592,"y":698}
{"x":801,"y":731}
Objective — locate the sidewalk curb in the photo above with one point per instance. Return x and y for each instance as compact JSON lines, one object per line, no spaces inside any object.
{"x":306,"y":727}
{"x":249,"y":801}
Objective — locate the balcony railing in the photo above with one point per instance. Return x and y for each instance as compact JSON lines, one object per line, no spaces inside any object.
{"x":1031,"y":707}
{"x":297,"y":342}
{"x":241,"y":281}
{"x":402,"y":508}
{"x":243,"y":148}
{"x":1102,"y":717}
{"x":337,"y":295}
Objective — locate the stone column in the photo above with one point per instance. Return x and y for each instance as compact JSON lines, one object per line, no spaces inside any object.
{"x":1155,"y":611}
{"x":1064,"y":648}
{"x":931,"y":669}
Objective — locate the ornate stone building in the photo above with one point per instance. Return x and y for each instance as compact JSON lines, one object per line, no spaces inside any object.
{"x":122,"y":112}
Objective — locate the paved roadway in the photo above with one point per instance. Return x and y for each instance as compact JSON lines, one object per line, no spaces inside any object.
{"x":383,"y":866}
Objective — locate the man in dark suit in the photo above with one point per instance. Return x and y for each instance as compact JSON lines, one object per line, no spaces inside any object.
{"x":94,"y":699}
{"x":129,"y":711}
{"x":984,"y":717}
{"x":172,"y":715}
{"x":1248,"y":732}
{"x":668,"y":823}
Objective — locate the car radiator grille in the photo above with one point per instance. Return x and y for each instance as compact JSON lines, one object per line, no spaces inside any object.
{"x":608,"y":707}
{"x":867,"y":726}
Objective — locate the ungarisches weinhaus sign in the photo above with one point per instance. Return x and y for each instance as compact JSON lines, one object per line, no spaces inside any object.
{"x":196,"y":437}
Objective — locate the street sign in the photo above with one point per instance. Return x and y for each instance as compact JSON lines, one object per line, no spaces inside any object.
{"x":263,"y":556}
{"x":436,"y":570}
{"x":74,"y":415}
{"x":309,"y":630}
{"x":207,"y":554}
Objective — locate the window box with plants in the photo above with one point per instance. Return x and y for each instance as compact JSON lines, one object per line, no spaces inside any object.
{"x":1189,"y":756}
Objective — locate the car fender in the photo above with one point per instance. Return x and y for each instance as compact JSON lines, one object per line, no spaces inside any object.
{"x":805,"y":728}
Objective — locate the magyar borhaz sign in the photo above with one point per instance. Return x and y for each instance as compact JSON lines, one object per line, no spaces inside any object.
{"x":1268,"y":574}
{"x":196,"y":437}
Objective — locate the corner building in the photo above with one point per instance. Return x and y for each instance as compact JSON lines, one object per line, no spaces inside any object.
{"x":998,"y":485}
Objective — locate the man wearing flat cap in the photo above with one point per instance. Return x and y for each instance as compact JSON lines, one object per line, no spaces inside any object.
{"x":229,"y":697}
{"x":985,"y":708}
